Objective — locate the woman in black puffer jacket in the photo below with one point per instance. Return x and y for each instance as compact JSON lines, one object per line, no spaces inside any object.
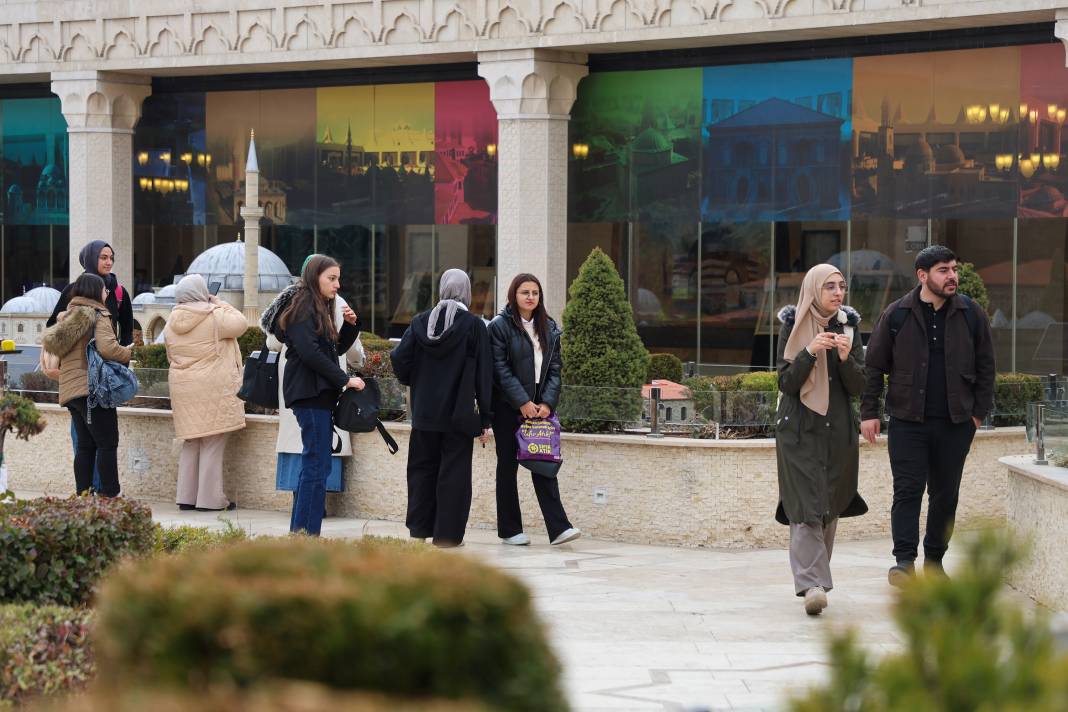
{"x":526,"y":384}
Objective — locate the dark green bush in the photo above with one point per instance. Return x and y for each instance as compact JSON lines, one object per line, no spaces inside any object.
{"x":971,"y":284}
{"x":55,"y":550}
{"x":965,"y":648}
{"x":44,"y":650}
{"x":252,"y":340}
{"x":274,"y":697}
{"x":605,"y":362}
{"x":375,"y":344}
{"x":151,"y":356}
{"x":667,"y":367}
{"x":175,"y":540}
{"x":705,"y":396}
{"x":399,"y":619}
{"x":1012,"y":393}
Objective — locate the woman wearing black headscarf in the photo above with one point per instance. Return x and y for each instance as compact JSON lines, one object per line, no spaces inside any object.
{"x":98,"y":257}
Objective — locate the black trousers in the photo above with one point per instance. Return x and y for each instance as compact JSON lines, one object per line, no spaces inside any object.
{"x":98,"y":444}
{"x":509,"y":516}
{"x":439,"y":485}
{"x":926,"y":455}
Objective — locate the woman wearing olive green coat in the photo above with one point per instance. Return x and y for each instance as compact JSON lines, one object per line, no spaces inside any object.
{"x":821,"y":367}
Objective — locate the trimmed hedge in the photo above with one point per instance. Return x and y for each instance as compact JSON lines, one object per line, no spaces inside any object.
{"x":151,"y":356}
{"x":175,"y":540}
{"x":667,"y":367}
{"x":1012,"y":393}
{"x":55,"y":550}
{"x":44,"y":650}
{"x":275,"y":697}
{"x":252,"y":340}
{"x":400,"y":619}
{"x":375,"y":344}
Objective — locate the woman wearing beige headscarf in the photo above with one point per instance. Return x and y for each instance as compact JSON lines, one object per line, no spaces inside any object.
{"x":204,"y":376}
{"x":821,"y":366}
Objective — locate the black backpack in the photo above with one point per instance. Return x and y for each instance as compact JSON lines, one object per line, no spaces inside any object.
{"x":899,"y":315}
{"x":357,"y":412}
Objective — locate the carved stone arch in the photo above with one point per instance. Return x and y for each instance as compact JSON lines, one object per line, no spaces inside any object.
{"x":122,"y":46}
{"x":405,"y":30}
{"x":79,"y":49}
{"x":839,"y":5}
{"x":534,"y":92}
{"x":455,"y":27}
{"x":212,"y":41}
{"x":37,"y":49}
{"x":616,"y":18}
{"x":354,"y":32}
{"x":98,"y":104}
{"x":510,"y":23}
{"x":773,"y":9}
{"x":565,"y":18}
{"x":258,"y":38}
{"x":713,"y":9}
{"x":124,"y":112}
{"x":166,"y":44}
{"x":307,"y":31}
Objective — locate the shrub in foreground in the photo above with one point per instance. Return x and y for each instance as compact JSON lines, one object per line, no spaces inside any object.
{"x":175,"y":540}
{"x":402,"y":620}
{"x":966,"y":648}
{"x":44,"y":650}
{"x":275,"y":697}
{"x":55,"y":550}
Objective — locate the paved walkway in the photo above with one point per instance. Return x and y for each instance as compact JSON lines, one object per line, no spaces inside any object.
{"x":658,"y":628}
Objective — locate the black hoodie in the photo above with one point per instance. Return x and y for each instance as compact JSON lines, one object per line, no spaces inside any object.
{"x":121,"y":311}
{"x":433,"y":369}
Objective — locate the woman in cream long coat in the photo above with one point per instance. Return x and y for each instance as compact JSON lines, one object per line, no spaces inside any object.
{"x":204,"y":376}
{"x":288,"y":445}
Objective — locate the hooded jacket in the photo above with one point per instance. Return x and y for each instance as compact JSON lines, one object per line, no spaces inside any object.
{"x":119,"y":310}
{"x":513,"y":363}
{"x":68,"y":339}
{"x":205,"y":368}
{"x":434,"y":370}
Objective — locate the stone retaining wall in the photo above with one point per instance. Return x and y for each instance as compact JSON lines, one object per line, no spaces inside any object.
{"x":671,"y":491}
{"x":1037,"y":510}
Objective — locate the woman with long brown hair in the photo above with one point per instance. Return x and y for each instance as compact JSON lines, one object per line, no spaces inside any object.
{"x":313,"y":380}
{"x":526,"y":384}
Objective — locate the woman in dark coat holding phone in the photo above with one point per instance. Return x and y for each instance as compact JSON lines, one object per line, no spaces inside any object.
{"x":526,"y":384}
{"x":313,"y":380}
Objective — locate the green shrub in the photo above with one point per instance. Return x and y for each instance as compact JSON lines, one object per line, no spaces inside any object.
{"x":252,"y":340}
{"x":667,"y":367}
{"x":275,"y":697}
{"x":970,"y":284}
{"x":605,"y":363}
{"x":18,"y":415}
{"x":175,"y":540}
{"x":375,"y":344}
{"x":44,"y":650}
{"x":400,"y":619}
{"x":1012,"y":393}
{"x":705,"y":396}
{"x":965,"y":648}
{"x":151,"y":356}
{"x":55,"y":550}
{"x":759,"y":381}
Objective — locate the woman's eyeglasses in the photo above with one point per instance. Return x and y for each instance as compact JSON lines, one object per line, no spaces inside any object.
{"x":840,"y":287}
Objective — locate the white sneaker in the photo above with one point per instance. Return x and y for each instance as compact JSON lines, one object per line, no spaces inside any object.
{"x":569,"y":535}
{"x":519,"y":539}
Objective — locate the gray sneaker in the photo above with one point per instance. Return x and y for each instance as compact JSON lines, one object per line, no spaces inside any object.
{"x":520,"y":539}
{"x":815,"y":600}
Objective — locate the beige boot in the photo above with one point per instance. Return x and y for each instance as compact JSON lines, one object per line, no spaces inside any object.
{"x":815,"y":600}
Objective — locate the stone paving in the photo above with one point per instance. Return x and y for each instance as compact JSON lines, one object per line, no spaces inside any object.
{"x":658,"y":628}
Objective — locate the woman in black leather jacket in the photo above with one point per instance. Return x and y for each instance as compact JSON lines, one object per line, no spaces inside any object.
{"x":526,"y":384}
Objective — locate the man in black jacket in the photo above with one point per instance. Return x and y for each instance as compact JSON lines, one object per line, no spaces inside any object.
{"x":445,"y":358}
{"x":937,"y":349}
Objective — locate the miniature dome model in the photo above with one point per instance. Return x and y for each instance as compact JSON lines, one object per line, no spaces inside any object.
{"x":165,"y":294}
{"x":145,"y":298}
{"x":949,"y":156}
{"x":651,"y":141}
{"x":45,"y":298}
{"x":920,"y":156}
{"x":19,"y":305}
{"x":225,"y":263}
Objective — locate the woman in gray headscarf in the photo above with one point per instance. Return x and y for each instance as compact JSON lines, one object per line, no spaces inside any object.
{"x":445,"y":358}
{"x":205,"y":375}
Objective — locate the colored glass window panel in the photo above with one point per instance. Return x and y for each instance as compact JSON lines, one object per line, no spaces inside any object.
{"x":36,"y":171}
{"x":776,"y":141}
{"x":635,"y":147}
{"x":465,"y":154}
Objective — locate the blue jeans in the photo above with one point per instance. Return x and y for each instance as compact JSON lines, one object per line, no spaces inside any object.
{"x":317,"y":435}
{"x":96,"y":468}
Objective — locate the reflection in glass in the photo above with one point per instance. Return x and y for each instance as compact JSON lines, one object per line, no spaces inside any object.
{"x":1041,"y":344}
{"x":33,"y":153}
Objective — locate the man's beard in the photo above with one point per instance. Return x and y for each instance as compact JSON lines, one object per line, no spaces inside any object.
{"x":941,"y":292}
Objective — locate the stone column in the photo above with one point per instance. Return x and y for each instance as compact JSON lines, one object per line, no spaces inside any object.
{"x":533,"y":91}
{"x":101,"y":109}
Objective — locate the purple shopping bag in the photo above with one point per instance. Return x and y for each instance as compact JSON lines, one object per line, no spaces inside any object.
{"x":538,"y":439}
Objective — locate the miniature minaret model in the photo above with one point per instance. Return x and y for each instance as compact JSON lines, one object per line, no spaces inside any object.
{"x":252,"y":212}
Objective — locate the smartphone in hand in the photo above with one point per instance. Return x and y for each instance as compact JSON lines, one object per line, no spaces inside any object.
{"x":214,"y":288}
